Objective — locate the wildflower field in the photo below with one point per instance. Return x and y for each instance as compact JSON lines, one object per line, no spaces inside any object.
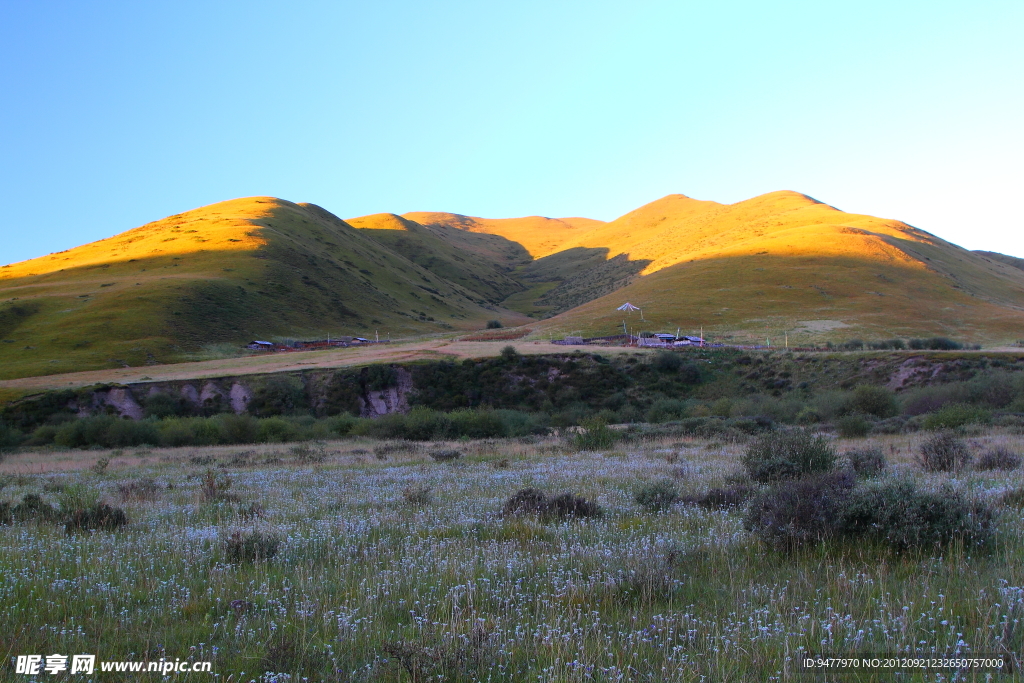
{"x":364,"y":560}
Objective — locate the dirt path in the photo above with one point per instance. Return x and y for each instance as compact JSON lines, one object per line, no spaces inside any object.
{"x":300,"y":360}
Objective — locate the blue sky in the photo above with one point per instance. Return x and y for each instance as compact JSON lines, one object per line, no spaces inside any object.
{"x":114,"y":114}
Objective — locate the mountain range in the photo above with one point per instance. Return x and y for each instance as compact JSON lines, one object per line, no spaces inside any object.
{"x":781,"y":265}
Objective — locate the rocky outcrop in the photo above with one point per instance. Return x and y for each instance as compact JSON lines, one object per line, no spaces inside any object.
{"x":393,"y":399}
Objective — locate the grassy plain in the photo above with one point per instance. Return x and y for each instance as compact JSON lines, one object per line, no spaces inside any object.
{"x":376,"y":581}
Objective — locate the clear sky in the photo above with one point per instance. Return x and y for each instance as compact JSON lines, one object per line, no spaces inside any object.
{"x":114,"y":114}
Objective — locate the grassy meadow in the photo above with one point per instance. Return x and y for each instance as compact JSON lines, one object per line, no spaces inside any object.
{"x":368,"y":560}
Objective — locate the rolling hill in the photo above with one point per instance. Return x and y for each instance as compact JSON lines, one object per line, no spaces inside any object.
{"x":259,"y":267}
{"x":202,"y":283}
{"x":785,"y":264}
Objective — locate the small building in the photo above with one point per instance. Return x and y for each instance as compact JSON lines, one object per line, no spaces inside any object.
{"x":260,"y":346}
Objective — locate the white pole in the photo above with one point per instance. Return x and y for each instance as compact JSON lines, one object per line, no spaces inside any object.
{"x":376,"y":335}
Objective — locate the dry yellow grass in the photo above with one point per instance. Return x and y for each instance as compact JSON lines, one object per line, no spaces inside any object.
{"x":225,"y":226}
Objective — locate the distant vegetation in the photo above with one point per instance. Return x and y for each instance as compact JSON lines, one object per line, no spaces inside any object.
{"x":700,"y":392}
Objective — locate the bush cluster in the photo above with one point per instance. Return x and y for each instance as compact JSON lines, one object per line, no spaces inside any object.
{"x":535,"y":502}
{"x":891,"y":511}
{"x":944,"y":452}
{"x":788,"y":454}
{"x":867,"y":462}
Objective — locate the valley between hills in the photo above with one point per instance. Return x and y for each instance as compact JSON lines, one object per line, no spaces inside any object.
{"x":199,"y":285}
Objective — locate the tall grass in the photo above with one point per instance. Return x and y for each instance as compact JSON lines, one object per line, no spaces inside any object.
{"x":361,"y":585}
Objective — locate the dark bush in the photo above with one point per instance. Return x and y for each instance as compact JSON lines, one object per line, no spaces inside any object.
{"x":867,"y":462}
{"x":568,"y":505}
{"x":445,"y":454}
{"x":722,"y":498}
{"x":6,"y":515}
{"x":509,"y":354}
{"x":874,"y":400}
{"x":667,"y":361}
{"x":788,"y":454}
{"x":900,"y":514}
{"x":998,"y":458}
{"x":34,"y":508}
{"x":853,"y":426}
{"x":251,"y":546}
{"x":536,"y":502}
{"x":525,"y":501}
{"x":9,"y":438}
{"x":944,"y":452}
{"x":801,"y":511}
{"x":494,"y":325}
{"x":657,"y":496}
{"x":100,"y":517}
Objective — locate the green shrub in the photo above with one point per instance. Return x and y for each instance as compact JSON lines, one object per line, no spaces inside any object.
{"x":853,"y":426}
{"x":494,"y":325}
{"x":788,"y":454}
{"x":251,"y":546}
{"x":867,"y":462}
{"x":666,"y":409}
{"x":278,"y":395}
{"x":276,"y":430}
{"x":874,"y":400}
{"x":944,"y":452}
{"x":800,"y":511}
{"x":897,"y":512}
{"x":956,"y":415}
{"x":657,"y":496}
{"x":98,"y":517}
{"x":476,"y":424}
{"x":509,"y":354}
{"x":594,"y":436}
{"x":128,"y":433}
{"x":191,"y":431}
{"x":238,"y":428}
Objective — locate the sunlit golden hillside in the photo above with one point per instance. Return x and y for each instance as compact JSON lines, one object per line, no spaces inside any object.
{"x":781,"y":266}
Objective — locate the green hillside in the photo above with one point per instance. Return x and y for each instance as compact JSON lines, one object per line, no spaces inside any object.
{"x":224,"y":274}
{"x":782,"y":266}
